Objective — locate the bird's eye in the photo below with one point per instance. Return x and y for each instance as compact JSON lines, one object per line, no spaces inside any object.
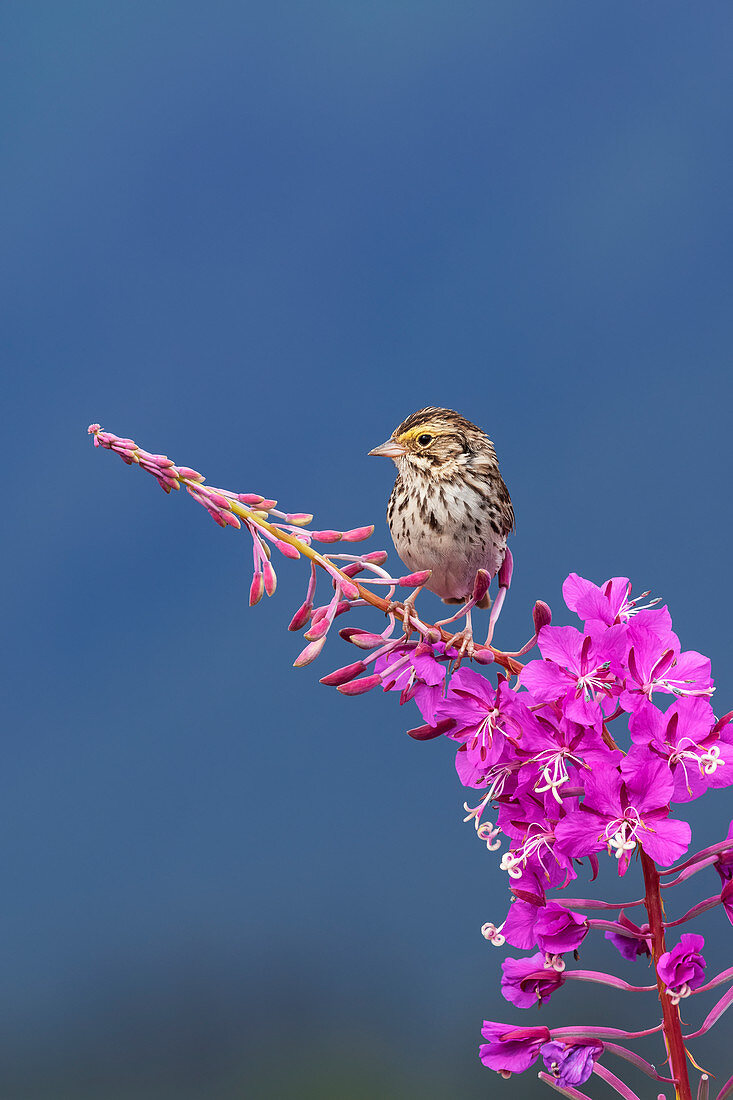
{"x":424,"y":439}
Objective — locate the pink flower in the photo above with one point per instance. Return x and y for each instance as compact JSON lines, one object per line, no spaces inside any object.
{"x":528,"y":982}
{"x":683,"y":968}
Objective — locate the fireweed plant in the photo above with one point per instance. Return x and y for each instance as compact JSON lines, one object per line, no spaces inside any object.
{"x":587,"y":753}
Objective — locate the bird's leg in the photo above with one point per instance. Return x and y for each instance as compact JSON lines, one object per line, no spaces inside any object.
{"x":406,"y":610}
{"x":504,"y":577}
{"x":463,"y":640}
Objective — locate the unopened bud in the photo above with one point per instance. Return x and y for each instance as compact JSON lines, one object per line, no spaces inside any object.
{"x":358,"y":534}
{"x":359,"y":687}
{"x":541,"y":615}
{"x":483,"y":655}
{"x":414,"y":580}
{"x":343,"y":675}
{"x":257,"y":589}
{"x":326,"y":536}
{"x":318,"y":629}
{"x":361,"y":638}
{"x":286,"y":549}
{"x":230,"y":519}
{"x":249,"y":498}
{"x":377,"y":557}
{"x":270,"y":578}
{"x":299,"y":519}
{"x":191,"y":475}
{"x":481,"y":584}
{"x":309,"y":654}
{"x":301,"y":616}
{"x":427,"y":733}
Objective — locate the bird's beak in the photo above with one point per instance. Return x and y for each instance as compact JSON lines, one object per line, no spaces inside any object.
{"x":390,"y":449}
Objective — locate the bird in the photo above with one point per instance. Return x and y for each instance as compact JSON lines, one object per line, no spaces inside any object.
{"x":449,"y":511}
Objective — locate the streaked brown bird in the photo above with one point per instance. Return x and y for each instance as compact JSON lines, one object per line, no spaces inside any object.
{"x":450,"y":510}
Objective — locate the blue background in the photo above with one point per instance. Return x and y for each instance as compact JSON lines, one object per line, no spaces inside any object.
{"x":255,"y":236}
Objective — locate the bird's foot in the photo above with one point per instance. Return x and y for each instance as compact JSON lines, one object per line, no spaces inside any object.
{"x":404,"y":610}
{"x":462,"y":644}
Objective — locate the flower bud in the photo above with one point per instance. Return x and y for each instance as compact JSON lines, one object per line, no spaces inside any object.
{"x":318,"y":629}
{"x":301,"y":616}
{"x":343,"y":675}
{"x":257,"y":589}
{"x":359,"y":687}
{"x":414,"y":580}
{"x":270,"y":578}
{"x":541,"y":615}
{"x":299,"y":519}
{"x":326,"y":536}
{"x":309,"y":654}
{"x":287,"y":550}
{"x":358,"y":534}
{"x":361,"y":638}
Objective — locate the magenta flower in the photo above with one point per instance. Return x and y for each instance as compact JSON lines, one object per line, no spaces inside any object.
{"x":511,"y":1049}
{"x":699,"y":755}
{"x":576,"y":670}
{"x":416,"y":674}
{"x":481,"y":717}
{"x":552,"y":928}
{"x":602,"y":604}
{"x":683,"y":968}
{"x":571,"y":1063}
{"x":618,"y":815}
{"x":633,"y":941}
{"x":530,"y":981}
{"x":559,"y":754}
{"x":655,"y":663}
{"x":534,"y":848}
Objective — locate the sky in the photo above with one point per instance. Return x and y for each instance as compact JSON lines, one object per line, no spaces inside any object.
{"x":255,"y":237}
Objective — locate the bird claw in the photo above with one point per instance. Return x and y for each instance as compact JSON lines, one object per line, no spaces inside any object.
{"x":404,"y":610}
{"x":462,"y":642}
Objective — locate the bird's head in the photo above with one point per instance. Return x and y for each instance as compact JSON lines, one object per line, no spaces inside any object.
{"x":435,"y":442}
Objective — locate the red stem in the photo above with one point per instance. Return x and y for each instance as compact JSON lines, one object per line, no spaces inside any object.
{"x":670,"y":1013}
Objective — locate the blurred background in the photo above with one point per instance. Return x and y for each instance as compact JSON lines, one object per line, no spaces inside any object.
{"x":255,"y":236}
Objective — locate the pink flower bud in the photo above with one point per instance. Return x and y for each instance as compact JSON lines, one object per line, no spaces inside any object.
{"x":414,"y":580}
{"x":358,"y":534}
{"x":256,"y":590}
{"x":483,"y":656}
{"x":481,"y":584}
{"x":352,"y":569}
{"x":326,"y":536}
{"x":299,"y":519}
{"x":309,"y":654}
{"x":94,"y":428}
{"x":301,"y":616}
{"x":270,"y":578}
{"x":343,"y":675}
{"x":265,"y":505}
{"x":191,"y":475}
{"x":218,"y":500}
{"x":287,"y":550}
{"x":361,"y":638}
{"x":377,"y":557}
{"x":350,"y":591}
{"x":541,"y":615}
{"x":359,"y":687}
{"x":231,"y":519}
{"x":427,"y":733}
{"x":249,"y":498}
{"x":318,"y":629}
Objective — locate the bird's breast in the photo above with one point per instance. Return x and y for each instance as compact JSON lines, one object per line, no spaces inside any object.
{"x":448,"y":529}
